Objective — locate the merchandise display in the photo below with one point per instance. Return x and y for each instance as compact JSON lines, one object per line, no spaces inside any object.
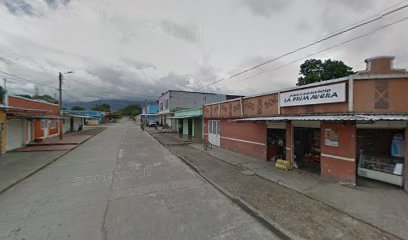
{"x":381,"y":167}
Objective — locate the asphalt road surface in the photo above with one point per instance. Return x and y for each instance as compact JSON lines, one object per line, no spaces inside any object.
{"x":122,"y":184}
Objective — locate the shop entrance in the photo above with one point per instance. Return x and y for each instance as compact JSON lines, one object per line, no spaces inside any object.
{"x":276,"y":139}
{"x":381,"y":155}
{"x":307,"y":148}
{"x":190,"y":127}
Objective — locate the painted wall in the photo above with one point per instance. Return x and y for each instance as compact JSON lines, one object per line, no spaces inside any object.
{"x":251,"y":107}
{"x":197,"y":127}
{"x":289,"y":141}
{"x":339,"y":163}
{"x":406,"y":161}
{"x":15,"y":101}
{"x":380,"y":95}
{"x":244,"y":138}
{"x":189,"y":112}
{"x":39,"y":132}
{"x":185,"y":126}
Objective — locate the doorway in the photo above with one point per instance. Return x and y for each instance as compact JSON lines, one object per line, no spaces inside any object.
{"x":190,"y":127}
{"x":307,"y":148}
{"x":214,"y":132}
{"x":276,"y":139}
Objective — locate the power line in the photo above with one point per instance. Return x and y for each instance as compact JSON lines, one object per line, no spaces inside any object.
{"x":326,"y":49}
{"x":46,"y":74}
{"x":110,"y":90}
{"x":359,"y":25}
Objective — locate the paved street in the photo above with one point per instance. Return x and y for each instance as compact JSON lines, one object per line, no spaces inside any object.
{"x":121,"y":184}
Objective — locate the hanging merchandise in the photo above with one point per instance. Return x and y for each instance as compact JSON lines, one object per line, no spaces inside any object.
{"x":398,"y":146}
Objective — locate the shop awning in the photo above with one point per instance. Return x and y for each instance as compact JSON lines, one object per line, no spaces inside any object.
{"x":339,"y":117}
{"x":29,"y":116}
{"x":182,"y":117}
{"x":77,"y":116}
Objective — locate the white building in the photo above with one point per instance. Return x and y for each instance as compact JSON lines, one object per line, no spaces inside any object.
{"x":173,"y":100}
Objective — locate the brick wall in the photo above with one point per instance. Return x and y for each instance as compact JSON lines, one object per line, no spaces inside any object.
{"x":14,"y":101}
{"x":52,"y":110}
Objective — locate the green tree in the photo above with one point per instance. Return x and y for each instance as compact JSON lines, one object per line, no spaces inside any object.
{"x":77,"y":108}
{"x":46,"y":98}
{"x":102,"y":107}
{"x":315,"y":70}
{"x":24,"y":96}
{"x":116,"y":115}
{"x":131,"y":110}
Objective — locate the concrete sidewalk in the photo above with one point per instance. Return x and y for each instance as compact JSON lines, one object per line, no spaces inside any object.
{"x":285,"y":201}
{"x":69,"y":141}
{"x":172,"y":138}
{"x":18,"y":165}
{"x":381,"y":205}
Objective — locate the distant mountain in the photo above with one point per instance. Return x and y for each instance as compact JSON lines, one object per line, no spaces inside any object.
{"x":114,"y":103}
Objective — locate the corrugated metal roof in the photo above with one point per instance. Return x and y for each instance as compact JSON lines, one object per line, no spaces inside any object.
{"x":350,"y":117}
{"x":23,"y":109}
{"x":78,"y":116}
{"x":29,"y":116}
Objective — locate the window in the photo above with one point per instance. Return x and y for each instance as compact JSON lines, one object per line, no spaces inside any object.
{"x":44,"y":123}
{"x":214,"y":127}
{"x":161,"y":106}
{"x":166,"y":104}
{"x":53,"y":123}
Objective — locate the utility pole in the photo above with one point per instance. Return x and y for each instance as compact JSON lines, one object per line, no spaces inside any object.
{"x":36,"y":90}
{"x":60,"y":105}
{"x":61,"y":128}
{"x":5,"y":98}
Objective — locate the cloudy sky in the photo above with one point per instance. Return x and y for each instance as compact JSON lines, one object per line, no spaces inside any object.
{"x":134,"y":49}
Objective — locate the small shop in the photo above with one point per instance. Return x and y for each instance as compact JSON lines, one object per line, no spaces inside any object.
{"x":346,"y":129}
{"x":381,"y":151}
{"x":189,"y":122}
{"x":306,"y":135}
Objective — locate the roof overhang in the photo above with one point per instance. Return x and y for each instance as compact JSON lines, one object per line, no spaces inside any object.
{"x":191,"y":116}
{"x":77,"y":116}
{"x":29,"y":116}
{"x":334,"y":117}
{"x":10,"y":109}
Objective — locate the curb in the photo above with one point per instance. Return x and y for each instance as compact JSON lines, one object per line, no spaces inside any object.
{"x":268,"y":223}
{"x":312,"y":198}
{"x":45,"y":165}
{"x":265,"y":221}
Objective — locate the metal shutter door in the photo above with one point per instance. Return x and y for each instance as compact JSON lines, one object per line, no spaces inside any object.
{"x":15,"y":134}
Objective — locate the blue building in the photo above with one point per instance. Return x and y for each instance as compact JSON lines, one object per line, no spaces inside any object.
{"x":150,"y":116}
{"x":94,"y":117}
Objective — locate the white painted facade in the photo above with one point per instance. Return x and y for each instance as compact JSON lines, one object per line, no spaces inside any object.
{"x":173,"y":100}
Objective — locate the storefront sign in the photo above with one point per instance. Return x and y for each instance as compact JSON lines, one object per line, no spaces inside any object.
{"x":331,"y":137}
{"x":318,"y":95}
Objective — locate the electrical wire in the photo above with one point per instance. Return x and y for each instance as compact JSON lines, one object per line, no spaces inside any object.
{"x":326,"y":49}
{"x":348,"y":29}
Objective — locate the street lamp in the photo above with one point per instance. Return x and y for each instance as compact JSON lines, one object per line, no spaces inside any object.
{"x":61,"y":129}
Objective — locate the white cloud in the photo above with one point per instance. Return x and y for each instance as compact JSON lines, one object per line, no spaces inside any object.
{"x":142,"y":48}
